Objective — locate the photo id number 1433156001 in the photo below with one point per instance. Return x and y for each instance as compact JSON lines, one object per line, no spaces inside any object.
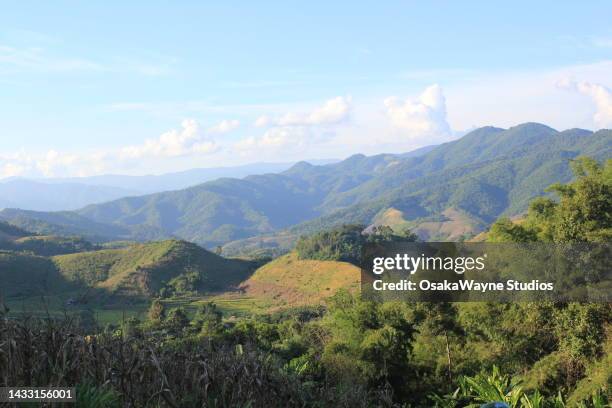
{"x":37,"y":394}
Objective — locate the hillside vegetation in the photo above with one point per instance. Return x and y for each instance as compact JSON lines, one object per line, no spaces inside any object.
{"x":154,"y":269}
{"x":10,"y":232}
{"x":163,"y":268}
{"x":289,"y":281}
{"x":48,"y":245}
{"x":24,"y":274}
{"x":13,"y":238}
{"x":581,"y":212}
{"x":63,"y":223}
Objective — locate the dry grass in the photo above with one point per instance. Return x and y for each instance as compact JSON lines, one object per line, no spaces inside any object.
{"x":150,"y":371}
{"x":455,"y":225}
{"x":289,"y":282}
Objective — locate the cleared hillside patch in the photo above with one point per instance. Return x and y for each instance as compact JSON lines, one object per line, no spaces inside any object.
{"x":289,"y":281}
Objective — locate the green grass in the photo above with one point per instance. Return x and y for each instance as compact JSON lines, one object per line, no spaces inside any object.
{"x":239,"y":306}
{"x":56,"y":307}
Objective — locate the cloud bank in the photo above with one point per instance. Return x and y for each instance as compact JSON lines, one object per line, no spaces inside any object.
{"x":174,"y":143}
{"x":225,"y":126}
{"x":422,"y":117}
{"x":601,"y":96}
{"x":295,"y":130}
{"x":340,"y":126}
{"x":332,"y":112}
{"x":187,"y":141}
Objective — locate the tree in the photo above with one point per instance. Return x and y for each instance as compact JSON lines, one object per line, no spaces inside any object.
{"x":582,"y":213}
{"x":441,"y":320}
{"x":208,"y":319}
{"x":177,"y":320}
{"x":131,"y":328}
{"x":504,"y":230}
{"x":157,"y":312}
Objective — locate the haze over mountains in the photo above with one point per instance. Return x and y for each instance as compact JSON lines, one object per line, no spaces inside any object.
{"x":57,"y":194}
{"x":447,"y":191}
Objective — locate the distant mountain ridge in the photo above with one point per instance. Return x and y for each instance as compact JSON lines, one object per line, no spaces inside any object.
{"x":454,"y":188}
{"x":66,"y":194}
{"x":42,"y":196}
{"x":148,"y":184}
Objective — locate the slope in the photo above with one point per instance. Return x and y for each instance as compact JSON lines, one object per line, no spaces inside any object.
{"x":289,"y":282}
{"x":481,"y":191}
{"x":68,"y":223}
{"x":10,"y":232}
{"x":27,"y":275}
{"x":229,"y":209}
{"x":171,"y":267}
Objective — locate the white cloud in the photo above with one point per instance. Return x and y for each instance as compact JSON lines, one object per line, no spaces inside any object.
{"x":425,"y":116}
{"x":49,"y":164}
{"x":12,"y":170}
{"x":291,"y":137}
{"x":296,"y":130}
{"x":507,"y":98}
{"x":339,"y":127}
{"x":187,"y":141}
{"x":601,"y":96}
{"x":262,"y":121}
{"x":53,"y":161}
{"x":174,"y":143}
{"x":225,"y":126}
{"x":332,"y":112}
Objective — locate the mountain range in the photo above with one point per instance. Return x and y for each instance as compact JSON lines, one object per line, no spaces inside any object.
{"x":443,"y":192}
{"x":58,"y":194}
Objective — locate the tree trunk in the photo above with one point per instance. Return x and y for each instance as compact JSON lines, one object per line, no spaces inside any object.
{"x":448,"y":357}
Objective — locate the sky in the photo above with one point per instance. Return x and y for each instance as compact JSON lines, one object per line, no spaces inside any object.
{"x":147,"y":87}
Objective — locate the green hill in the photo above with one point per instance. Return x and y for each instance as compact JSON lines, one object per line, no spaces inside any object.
{"x":290,"y":282}
{"x":458,"y":187}
{"x":166,"y":267}
{"x":10,"y":232}
{"x":27,"y":275}
{"x":173,"y":267}
{"x":64,"y":223}
{"x":13,"y":238}
{"x":44,"y":245}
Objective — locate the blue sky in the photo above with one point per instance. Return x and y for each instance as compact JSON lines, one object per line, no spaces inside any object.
{"x":149,"y":87}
